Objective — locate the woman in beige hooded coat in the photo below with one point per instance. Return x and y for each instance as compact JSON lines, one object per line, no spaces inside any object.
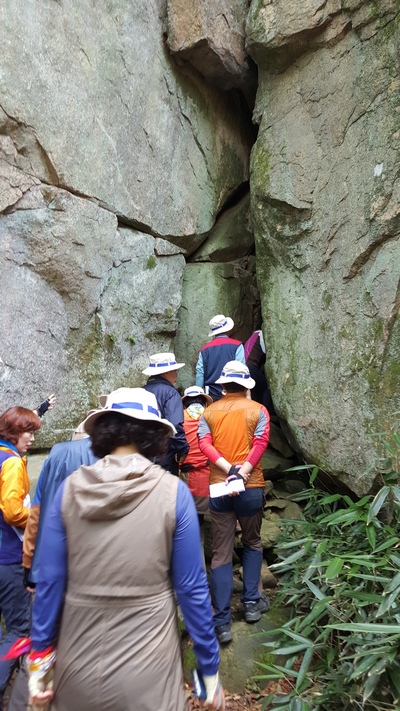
{"x":122,"y":534}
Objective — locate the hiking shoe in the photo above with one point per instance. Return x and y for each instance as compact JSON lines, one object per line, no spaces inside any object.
{"x":255,"y":608}
{"x":224,"y":634}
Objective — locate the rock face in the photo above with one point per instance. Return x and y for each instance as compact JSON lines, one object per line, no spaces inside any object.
{"x":209,"y":289}
{"x":325,"y":201}
{"x":69,"y":318}
{"x":125,"y":138}
{"x":210,"y":35}
{"x":107,"y":150}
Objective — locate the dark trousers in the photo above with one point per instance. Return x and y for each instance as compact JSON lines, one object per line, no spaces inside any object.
{"x":225,"y":510}
{"x":15,"y":605}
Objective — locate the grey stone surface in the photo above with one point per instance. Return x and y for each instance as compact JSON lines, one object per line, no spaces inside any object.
{"x":231,"y":238}
{"x":94,"y":103}
{"x":210,"y":289}
{"x":326,"y":214}
{"x":210,"y":35}
{"x":82,"y":305}
{"x":239,"y":659}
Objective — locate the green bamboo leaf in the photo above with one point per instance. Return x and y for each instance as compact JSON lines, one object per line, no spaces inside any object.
{"x":363,"y":666}
{"x":371,"y":535}
{"x":291,"y":559}
{"x":322,"y":546}
{"x":304,"y":667}
{"x":366,"y":627}
{"x":344,"y":518}
{"x":388,"y":544}
{"x":387,"y":602}
{"x":291,"y":544}
{"x":395,"y":583}
{"x":370,"y":686}
{"x":334,"y":568}
{"x":361,"y":596}
{"x":377,"y":503}
{"x":396,"y":491}
{"x":396,"y":438}
{"x":316,"y":591}
{"x":319,"y":610}
{"x":394,"y":676}
{"x":330,"y":499}
{"x":293,"y":649}
{"x":375,"y":578}
{"x":314,"y":475}
{"x":296,"y":637}
{"x":362,"y":501}
{"x":389,"y":447}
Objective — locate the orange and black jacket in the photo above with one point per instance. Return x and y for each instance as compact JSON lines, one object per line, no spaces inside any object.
{"x":14,"y":487}
{"x":237,"y":429}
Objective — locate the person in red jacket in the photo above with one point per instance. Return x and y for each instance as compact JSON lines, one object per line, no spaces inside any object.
{"x":195,"y":401}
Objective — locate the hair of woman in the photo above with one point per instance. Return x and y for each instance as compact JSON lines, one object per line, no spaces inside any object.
{"x":233,"y":388}
{"x":15,"y":421}
{"x":113,"y":430}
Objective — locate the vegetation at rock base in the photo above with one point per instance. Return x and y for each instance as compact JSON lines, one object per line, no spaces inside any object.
{"x":341,"y":578}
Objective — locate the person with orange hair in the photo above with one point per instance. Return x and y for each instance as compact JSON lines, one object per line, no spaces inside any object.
{"x":17,"y":433}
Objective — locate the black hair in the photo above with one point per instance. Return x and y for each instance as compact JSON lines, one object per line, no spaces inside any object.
{"x":234,"y":388}
{"x":198,"y":400}
{"x":113,"y":430}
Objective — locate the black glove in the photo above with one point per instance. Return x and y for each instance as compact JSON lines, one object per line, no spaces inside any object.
{"x":42,"y":409}
{"x":234,"y":473}
{"x":185,"y":468}
{"x":28,"y":583}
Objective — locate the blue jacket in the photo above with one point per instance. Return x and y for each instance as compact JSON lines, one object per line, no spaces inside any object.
{"x":64,"y":458}
{"x":212,"y":358}
{"x":171,"y":408}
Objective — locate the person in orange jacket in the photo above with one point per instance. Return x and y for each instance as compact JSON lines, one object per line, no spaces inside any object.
{"x":233,"y":434}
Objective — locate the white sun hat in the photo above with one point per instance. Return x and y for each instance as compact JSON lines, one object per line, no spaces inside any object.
{"x":236,"y":372}
{"x":162,"y":363}
{"x":196,"y":391}
{"x":133,"y":402}
{"x":220,"y":324}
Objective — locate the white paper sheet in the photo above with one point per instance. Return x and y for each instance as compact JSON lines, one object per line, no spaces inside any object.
{"x":223,"y":489}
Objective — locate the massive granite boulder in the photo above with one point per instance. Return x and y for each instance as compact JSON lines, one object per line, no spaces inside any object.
{"x":96,"y":105}
{"x":210,"y":35}
{"x":110,"y":156}
{"x":325,"y":202}
{"x":82,"y":304}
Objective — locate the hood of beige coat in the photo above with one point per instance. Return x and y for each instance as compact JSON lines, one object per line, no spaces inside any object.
{"x":114,"y":486}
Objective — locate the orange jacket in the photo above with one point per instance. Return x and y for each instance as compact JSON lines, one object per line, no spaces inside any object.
{"x":14,"y":486}
{"x":237,"y":429}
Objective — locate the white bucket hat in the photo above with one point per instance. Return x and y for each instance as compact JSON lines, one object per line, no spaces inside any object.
{"x":196,"y":391}
{"x":80,"y":432}
{"x":236,"y":372}
{"x":133,"y":402}
{"x":220,"y":324}
{"x":162,"y":363}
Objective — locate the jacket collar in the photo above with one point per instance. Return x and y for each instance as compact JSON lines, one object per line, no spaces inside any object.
{"x":8,"y":445}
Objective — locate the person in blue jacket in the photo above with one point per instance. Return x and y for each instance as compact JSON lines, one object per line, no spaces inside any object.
{"x":163,"y":373}
{"x":64,"y":458}
{"x":120,"y":536}
{"x":214,"y":354}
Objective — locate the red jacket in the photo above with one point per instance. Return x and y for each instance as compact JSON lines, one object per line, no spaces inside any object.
{"x":199,"y":476}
